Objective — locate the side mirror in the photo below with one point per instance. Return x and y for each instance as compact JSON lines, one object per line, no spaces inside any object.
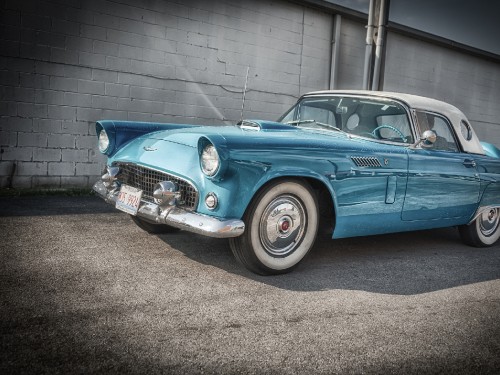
{"x":428,"y":138}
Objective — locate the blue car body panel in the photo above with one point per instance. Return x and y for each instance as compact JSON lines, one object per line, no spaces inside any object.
{"x":375,"y":187}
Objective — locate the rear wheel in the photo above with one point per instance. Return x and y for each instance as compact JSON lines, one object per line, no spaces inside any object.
{"x":281,"y":222}
{"x":152,"y":228}
{"x":484,"y":231}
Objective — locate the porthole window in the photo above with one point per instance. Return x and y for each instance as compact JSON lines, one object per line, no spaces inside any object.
{"x":466,"y":130}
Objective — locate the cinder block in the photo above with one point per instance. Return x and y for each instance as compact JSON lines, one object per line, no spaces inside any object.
{"x":130,"y":52}
{"x":17,"y":153}
{"x":64,"y":56}
{"x":48,"y":96}
{"x":21,"y":182}
{"x":8,"y":108}
{"x":77,"y":100}
{"x":166,"y":45}
{"x":32,"y":110}
{"x":105,"y":48}
{"x":31,"y":168}
{"x":61,"y":141}
{"x":64,"y":84}
{"x":72,"y":155}
{"x":86,"y":142}
{"x":65,"y":27}
{"x":156,"y":31}
{"x":137,"y":105}
{"x":16,"y":64}
{"x":104,"y":102}
{"x":78,"y":72}
{"x":46,"y":154}
{"x":7,"y":168}
{"x":118,"y":64}
{"x":11,"y":17}
{"x":46,"y":181}
{"x":90,"y":87}
{"x":88,"y":114}
{"x":34,"y":51}
{"x":104,"y":76}
{"x":76,"y":43}
{"x":32,"y":139}
{"x":49,"y":126}
{"x":108,"y":114}
{"x":61,"y":168}
{"x":8,"y":139}
{"x":115,"y":89}
{"x":86,"y":169}
{"x":138,"y":80}
{"x":92,"y":32}
{"x":152,"y":55}
{"x":9,"y":78}
{"x":91,"y":59}
{"x":62,"y":113}
{"x":122,"y":37}
{"x":139,"y":116}
{"x":151,"y":94}
{"x":33,"y":21}
{"x":159,"y":70}
{"x":16,"y":124}
{"x":107,"y":21}
{"x":75,"y":181}
{"x":75,"y":127}
{"x":22,"y":94}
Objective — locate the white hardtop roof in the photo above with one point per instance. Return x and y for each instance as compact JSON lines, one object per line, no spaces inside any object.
{"x":455,"y":115}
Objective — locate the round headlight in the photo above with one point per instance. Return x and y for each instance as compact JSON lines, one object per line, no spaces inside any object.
{"x":210,"y":160}
{"x":103,"y":141}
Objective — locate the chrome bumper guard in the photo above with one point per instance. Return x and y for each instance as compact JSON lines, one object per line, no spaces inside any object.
{"x":179,"y":218}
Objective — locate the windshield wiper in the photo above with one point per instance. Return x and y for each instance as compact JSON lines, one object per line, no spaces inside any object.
{"x":328,"y":126}
{"x":297,"y":122}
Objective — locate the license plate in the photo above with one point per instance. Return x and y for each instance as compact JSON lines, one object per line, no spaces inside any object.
{"x":129,"y":199}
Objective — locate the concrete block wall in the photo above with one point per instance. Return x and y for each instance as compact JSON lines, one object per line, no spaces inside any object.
{"x":66,"y":63}
{"x":471,"y":83}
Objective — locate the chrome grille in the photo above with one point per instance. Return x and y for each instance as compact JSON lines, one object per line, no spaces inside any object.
{"x":145,"y":179}
{"x":366,"y":161}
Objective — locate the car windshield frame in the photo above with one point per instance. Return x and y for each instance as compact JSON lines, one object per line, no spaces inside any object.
{"x":343,"y":107}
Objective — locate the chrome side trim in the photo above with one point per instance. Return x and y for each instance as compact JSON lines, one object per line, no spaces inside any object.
{"x":179,"y":218}
{"x":480,"y":210}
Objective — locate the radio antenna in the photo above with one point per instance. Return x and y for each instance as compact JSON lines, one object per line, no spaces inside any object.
{"x":244,"y":92}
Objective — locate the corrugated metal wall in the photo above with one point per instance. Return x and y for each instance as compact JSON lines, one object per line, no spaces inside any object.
{"x":471,"y":83}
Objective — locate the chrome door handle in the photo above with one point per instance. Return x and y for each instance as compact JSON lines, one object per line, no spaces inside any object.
{"x":469,"y":163}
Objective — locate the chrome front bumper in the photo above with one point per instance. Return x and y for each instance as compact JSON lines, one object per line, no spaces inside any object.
{"x":179,"y":218}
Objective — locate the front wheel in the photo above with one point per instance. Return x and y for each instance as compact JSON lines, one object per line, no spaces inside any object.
{"x":484,"y":231}
{"x":282,"y":222}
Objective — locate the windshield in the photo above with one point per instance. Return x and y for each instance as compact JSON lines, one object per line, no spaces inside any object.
{"x":366,"y":117}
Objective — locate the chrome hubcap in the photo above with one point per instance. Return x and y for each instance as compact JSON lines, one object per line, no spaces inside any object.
{"x":281,"y":228}
{"x":489,"y":221}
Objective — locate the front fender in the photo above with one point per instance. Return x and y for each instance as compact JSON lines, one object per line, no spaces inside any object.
{"x":253,"y":176}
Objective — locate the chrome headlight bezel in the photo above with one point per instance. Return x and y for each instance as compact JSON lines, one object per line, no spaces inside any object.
{"x":103,"y":141}
{"x":210,"y":160}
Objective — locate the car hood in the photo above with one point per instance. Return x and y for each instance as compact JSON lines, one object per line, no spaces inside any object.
{"x":263,"y":133}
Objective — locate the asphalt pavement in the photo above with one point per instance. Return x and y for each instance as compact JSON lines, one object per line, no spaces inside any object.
{"x":83,"y":290}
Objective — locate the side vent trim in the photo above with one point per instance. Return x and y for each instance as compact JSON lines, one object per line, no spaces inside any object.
{"x":366,"y":161}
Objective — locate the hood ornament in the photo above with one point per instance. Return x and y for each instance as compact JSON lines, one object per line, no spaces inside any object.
{"x":147,"y":148}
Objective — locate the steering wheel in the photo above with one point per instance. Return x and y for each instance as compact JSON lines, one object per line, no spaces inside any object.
{"x":373,"y":133}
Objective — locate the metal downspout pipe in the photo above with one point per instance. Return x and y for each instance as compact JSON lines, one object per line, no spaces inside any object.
{"x":369,"y":46}
{"x":334,"y":61}
{"x":379,"y":49}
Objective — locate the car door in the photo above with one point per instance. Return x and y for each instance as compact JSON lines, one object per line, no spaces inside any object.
{"x":443,"y":182}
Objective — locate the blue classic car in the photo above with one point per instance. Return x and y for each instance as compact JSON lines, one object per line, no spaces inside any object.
{"x":340,"y":163}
